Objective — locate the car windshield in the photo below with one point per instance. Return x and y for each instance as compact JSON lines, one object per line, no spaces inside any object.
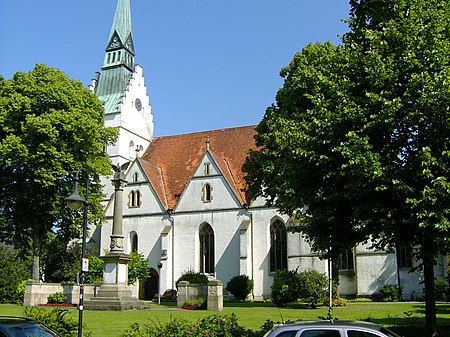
{"x":388,"y":332}
{"x":33,"y":331}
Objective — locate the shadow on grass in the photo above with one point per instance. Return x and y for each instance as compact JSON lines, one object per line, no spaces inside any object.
{"x":412,"y":326}
{"x":264,"y":305}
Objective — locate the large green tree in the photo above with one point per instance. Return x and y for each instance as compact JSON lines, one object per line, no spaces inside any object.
{"x":50,"y":126}
{"x":357,"y":145}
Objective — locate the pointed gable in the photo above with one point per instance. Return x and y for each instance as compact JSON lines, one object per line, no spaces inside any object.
{"x":171,"y":161}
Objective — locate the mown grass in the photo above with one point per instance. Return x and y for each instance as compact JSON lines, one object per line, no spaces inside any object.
{"x":251,"y":315}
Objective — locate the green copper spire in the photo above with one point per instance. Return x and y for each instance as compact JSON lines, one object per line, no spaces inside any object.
{"x":120,"y":47}
{"x":118,"y":64}
{"x":120,"y":35}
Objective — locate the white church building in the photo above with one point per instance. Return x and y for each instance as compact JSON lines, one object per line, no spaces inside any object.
{"x":186,"y":204}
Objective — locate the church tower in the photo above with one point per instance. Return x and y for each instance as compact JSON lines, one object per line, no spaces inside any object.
{"x":121,"y":88}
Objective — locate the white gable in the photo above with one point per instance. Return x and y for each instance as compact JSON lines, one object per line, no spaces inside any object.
{"x":221,"y":194}
{"x":207,"y":167}
{"x":145,"y":199}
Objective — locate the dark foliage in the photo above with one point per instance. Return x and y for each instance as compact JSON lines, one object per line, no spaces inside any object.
{"x":240,"y":286}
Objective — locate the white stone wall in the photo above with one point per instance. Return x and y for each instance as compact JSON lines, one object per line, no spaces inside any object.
{"x":242,"y":240}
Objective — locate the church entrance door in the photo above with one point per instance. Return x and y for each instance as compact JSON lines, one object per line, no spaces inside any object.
{"x":148,"y":288}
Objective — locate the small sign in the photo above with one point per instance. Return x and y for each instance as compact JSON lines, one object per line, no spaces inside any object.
{"x":85,"y":265}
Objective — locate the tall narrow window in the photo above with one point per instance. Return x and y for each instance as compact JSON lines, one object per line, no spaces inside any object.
{"x":404,"y":257}
{"x":134,"y":242}
{"x":207,"y":169}
{"x":138,"y":198}
{"x":345,"y":261}
{"x":278,"y":246}
{"x":207,"y":196}
{"x":206,"y":236}
{"x":131,"y":150}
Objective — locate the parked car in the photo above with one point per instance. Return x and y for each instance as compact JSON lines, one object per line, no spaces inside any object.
{"x":329,"y":329}
{"x":23,"y":327}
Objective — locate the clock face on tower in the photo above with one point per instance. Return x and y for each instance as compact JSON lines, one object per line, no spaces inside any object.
{"x":138,"y":104}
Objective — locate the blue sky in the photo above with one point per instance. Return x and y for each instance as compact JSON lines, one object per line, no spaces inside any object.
{"x":208,"y":64}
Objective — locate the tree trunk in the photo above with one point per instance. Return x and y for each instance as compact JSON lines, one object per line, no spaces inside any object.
{"x":430,"y":303}
{"x":35,"y":263}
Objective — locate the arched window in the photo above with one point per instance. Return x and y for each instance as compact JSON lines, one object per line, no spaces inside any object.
{"x":134,"y":242}
{"x":207,"y":193}
{"x":278,"y":247}
{"x":206,"y":236}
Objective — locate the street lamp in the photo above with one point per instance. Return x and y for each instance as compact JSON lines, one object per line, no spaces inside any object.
{"x":74,"y":201}
{"x":159,"y":282}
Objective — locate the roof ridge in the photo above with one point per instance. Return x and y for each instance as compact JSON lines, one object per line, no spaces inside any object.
{"x":235,"y":186}
{"x":206,"y":131}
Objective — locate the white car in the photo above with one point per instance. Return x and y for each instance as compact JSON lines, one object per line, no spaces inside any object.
{"x":329,"y":329}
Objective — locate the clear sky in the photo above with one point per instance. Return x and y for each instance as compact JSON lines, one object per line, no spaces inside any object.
{"x":208,"y":64}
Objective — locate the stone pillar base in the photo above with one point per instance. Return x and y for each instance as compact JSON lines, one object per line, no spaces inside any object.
{"x":113,"y":297}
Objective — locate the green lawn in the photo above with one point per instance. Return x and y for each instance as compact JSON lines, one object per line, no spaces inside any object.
{"x":250,"y":315}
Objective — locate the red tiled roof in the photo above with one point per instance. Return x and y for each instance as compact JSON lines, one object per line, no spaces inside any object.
{"x":170,"y":161}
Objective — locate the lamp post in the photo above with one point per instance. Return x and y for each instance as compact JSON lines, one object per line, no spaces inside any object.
{"x":159,"y":282}
{"x":74,"y":201}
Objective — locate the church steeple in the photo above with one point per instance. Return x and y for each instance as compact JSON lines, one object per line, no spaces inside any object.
{"x":120,"y":47}
{"x":120,"y":86}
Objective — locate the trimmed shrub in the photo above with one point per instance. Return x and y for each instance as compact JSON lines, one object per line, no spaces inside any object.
{"x":193,"y":278}
{"x":57,"y":298}
{"x":170,"y":295}
{"x":313,"y":287}
{"x":285,"y":287}
{"x":389,"y":293}
{"x":240,"y":286}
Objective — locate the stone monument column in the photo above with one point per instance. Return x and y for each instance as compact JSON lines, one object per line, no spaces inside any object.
{"x":119,"y":183}
{"x":114,"y":293}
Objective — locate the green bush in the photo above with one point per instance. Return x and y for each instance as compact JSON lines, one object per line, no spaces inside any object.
{"x":240,"y":286}
{"x":55,"y":319}
{"x":313,"y":287}
{"x":57,"y":298}
{"x":285,"y":287}
{"x":213,"y":325}
{"x":389,"y":293}
{"x":14,"y":271}
{"x":216,"y":325}
{"x":441,"y":289}
{"x":95,"y":273}
{"x":193,"y":278}
{"x":137,"y":268}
